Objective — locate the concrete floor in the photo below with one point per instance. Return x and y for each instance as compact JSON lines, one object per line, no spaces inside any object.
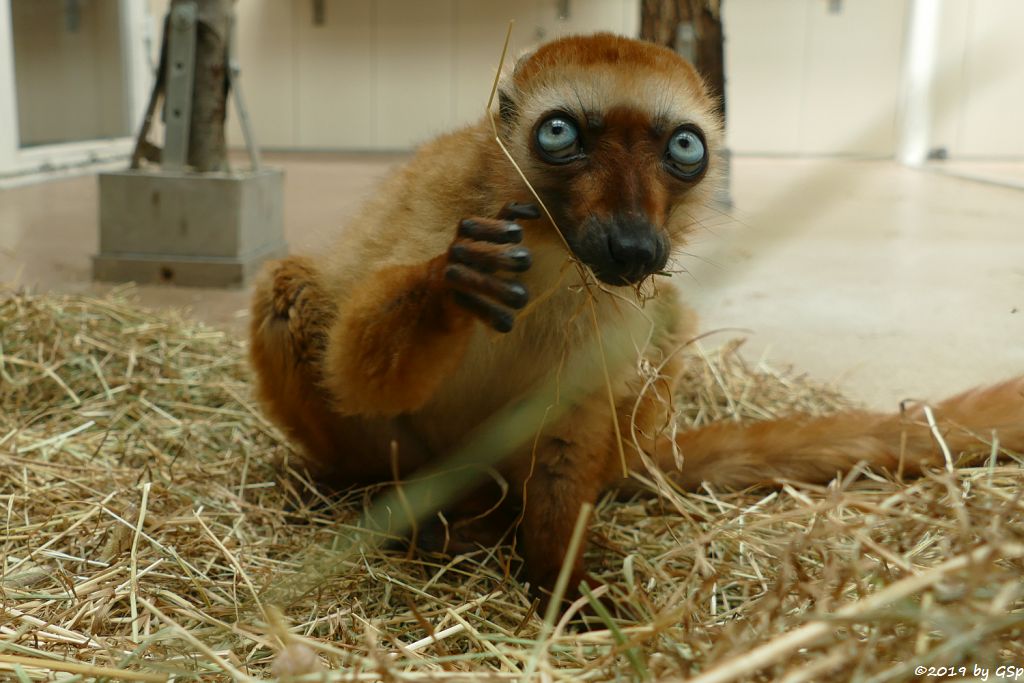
{"x":889,"y":282}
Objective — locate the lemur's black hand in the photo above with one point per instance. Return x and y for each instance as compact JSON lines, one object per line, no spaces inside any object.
{"x":483,"y":260}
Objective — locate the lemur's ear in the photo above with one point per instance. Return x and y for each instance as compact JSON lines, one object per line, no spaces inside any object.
{"x":507,"y":109}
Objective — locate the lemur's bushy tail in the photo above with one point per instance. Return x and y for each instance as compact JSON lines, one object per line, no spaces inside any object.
{"x":815,"y":449}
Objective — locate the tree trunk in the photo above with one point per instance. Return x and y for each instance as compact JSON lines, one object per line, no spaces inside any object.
{"x":693,"y":28}
{"x":207,"y":147}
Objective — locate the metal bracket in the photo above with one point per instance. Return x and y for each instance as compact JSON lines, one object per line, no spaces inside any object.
{"x":181,"y":69}
{"x":235,"y":84}
{"x":144,"y":149}
{"x":174,"y":80}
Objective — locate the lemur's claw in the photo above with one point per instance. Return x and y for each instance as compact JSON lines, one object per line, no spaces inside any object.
{"x":514,"y":210}
{"x":490,"y":230}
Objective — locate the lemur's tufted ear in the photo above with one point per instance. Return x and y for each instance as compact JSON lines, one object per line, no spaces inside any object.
{"x":507,"y":108}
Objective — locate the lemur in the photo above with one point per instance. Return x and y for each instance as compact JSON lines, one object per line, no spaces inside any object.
{"x":452,"y":295}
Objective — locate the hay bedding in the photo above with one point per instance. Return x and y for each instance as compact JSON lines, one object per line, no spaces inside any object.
{"x":150,"y":512}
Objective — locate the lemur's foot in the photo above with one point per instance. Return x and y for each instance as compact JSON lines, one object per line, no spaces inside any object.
{"x":485,"y":251}
{"x":296,"y":301}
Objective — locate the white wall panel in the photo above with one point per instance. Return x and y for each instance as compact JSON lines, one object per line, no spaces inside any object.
{"x":978,"y":97}
{"x":414,"y":57}
{"x":804,"y":79}
{"x":992,"y":114}
{"x":479,"y":35}
{"x":266,"y":50}
{"x":807,"y":81}
{"x":136,"y":35}
{"x":764,"y":66}
{"x":70,"y":81}
{"x":333,"y":72}
{"x":949,"y":85}
{"x":630,"y":18}
{"x":588,"y":16}
{"x":852,"y":77}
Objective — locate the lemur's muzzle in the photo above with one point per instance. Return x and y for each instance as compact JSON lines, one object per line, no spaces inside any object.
{"x":621,"y":250}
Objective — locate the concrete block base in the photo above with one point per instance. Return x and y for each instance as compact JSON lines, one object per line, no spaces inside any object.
{"x":208,"y":230}
{"x":189,"y":272}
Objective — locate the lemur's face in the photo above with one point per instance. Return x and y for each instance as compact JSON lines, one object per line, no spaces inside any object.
{"x":616,"y":136}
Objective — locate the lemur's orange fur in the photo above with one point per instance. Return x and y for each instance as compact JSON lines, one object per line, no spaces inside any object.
{"x":385,"y":336}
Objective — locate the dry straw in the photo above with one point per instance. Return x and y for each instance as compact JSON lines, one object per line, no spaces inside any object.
{"x":149,"y":510}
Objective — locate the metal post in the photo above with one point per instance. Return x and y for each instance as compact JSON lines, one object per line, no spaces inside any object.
{"x":180,"y":76}
{"x":920,"y":62}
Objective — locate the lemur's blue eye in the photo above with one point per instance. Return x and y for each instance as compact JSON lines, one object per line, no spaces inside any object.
{"x":558,"y":138}
{"x":687,"y":156}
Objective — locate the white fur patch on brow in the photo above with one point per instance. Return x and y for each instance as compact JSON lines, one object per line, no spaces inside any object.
{"x":594,"y":90}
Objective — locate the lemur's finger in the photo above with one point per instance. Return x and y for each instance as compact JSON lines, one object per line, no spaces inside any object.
{"x":488,"y":257}
{"x":514,"y":210}
{"x":490,"y":230}
{"x":501,"y":319}
{"x":464,"y":279}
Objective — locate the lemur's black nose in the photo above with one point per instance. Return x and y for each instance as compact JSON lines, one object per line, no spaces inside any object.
{"x":634,"y":254}
{"x":620,"y":250}
{"x":636,"y":248}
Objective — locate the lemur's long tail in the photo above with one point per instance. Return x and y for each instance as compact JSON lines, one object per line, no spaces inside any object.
{"x":816,"y":449}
